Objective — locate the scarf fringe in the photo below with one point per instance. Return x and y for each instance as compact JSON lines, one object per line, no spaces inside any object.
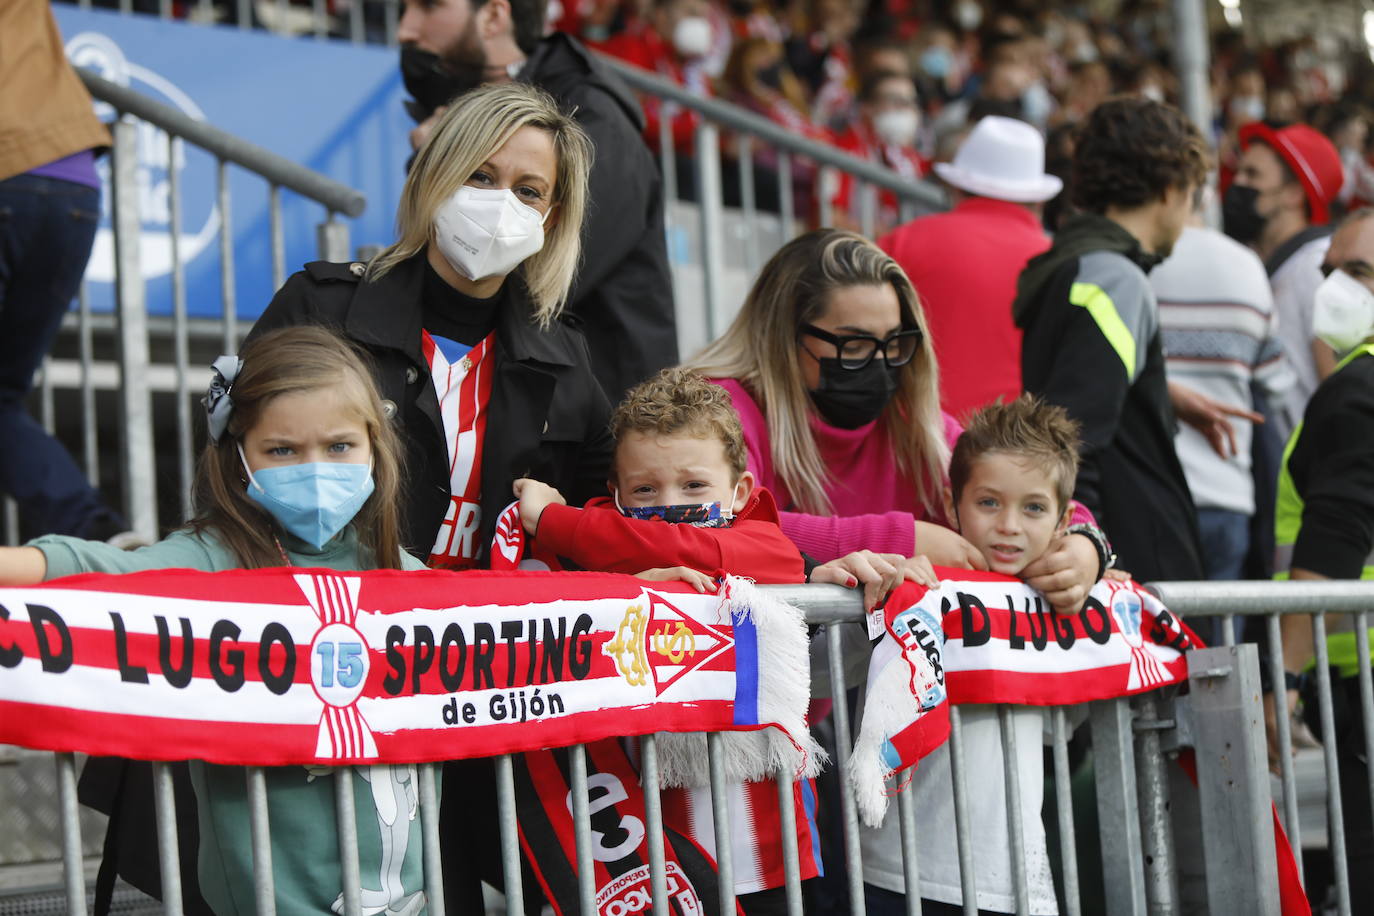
{"x":783,"y":653}
{"x":888,"y":708}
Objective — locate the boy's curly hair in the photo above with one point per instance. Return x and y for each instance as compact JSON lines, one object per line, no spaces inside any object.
{"x":1132,"y":150}
{"x":680,"y":401}
{"x":1027,"y":429}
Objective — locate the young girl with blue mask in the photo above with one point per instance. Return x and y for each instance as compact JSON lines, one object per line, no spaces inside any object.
{"x":301,"y":470}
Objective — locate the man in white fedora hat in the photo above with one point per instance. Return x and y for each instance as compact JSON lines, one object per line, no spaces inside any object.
{"x":964,"y":263}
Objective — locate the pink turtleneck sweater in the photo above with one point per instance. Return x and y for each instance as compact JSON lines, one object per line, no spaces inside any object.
{"x":876,"y":507}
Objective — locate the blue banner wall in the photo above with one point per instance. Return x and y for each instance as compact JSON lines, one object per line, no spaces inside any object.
{"x":332,"y":106}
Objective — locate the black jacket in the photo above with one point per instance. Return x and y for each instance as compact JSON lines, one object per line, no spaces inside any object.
{"x":624,"y":290}
{"x":1091,"y":344}
{"x":548,"y":415}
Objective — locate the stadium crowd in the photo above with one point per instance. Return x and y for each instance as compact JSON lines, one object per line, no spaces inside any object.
{"x":1219,"y":382}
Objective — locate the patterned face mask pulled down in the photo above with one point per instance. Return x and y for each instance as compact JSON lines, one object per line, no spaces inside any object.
{"x":702,"y":515}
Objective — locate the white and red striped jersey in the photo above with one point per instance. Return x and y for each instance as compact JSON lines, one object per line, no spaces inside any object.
{"x":755,"y":829}
{"x":462,"y":380}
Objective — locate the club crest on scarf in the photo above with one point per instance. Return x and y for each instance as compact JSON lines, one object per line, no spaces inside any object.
{"x":339,"y":663}
{"x":1146,"y":671}
{"x":657,"y":639}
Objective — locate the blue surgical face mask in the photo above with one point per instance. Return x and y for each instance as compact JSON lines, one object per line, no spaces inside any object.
{"x":312,"y":501}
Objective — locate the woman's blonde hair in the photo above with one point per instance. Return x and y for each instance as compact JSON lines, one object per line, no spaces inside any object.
{"x":760,"y":351}
{"x":286,"y":361}
{"x":478,"y":124}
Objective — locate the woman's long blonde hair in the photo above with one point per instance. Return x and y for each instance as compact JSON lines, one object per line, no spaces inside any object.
{"x":760,"y":351}
{"x":285,"y":361}
{"x":477,"y":125}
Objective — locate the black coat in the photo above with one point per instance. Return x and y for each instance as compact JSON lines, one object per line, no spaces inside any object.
{"x":624,"y":290}
{"x":548,"y":416}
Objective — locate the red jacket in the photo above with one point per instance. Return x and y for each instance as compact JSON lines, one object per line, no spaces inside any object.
{"x":599,"y":538}
{"x":964,"y":265}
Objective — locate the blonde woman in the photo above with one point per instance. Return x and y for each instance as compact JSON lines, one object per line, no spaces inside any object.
{"x":833,"y":374}
{"x":461,"y":316}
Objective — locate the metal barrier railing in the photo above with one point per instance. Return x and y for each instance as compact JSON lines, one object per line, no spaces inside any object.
{"x":132,"y":328}
{"x":1132,"y":740}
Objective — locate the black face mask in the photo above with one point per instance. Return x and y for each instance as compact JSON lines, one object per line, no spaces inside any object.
{"x":771,"y":75}
{"x":433,"y":81}
{"x":1240,"y":218}
{"x":850,"y":398}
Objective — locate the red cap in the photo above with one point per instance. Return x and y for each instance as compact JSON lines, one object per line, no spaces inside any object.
{"x":1309,"y":155}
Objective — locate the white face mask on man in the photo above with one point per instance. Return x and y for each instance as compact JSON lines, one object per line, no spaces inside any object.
{"x":897,"y":126}
{"x":692,"y":36}
{"x":1342,"y":311}
{"x":487,"y":232}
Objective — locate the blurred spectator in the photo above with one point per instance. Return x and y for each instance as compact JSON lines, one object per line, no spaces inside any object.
{"x":1090,"y":83}
{"x":880,"y":54}
{"x":49,"y":207}
{"x":1279,"y":205}
{"x":964,"y":263}
{"x":1005,"y":81}
{"x":1348,"y":129}
{"x":672,"y":42}
{"x":940,"y":67}
{"x":1217,"y":321}
{"x":623,"y":291}
{"x":754,"y":19}
{"x":885,"y":133}
{"x":757,"y":78}
{"x":823,"y":59}
{"x":1091,"y":329}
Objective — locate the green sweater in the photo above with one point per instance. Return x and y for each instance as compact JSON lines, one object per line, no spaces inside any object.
{"x":305,"y":847}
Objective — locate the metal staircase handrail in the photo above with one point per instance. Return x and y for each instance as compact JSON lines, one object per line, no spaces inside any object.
{"x":736,"y":117}
{"x":276,"y":169}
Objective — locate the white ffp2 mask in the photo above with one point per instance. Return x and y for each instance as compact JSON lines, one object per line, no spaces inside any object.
{"x":487,"y":232}
{"x":692,"y":36}
{"x":897,"y":126}
{"x":1342,"y":311}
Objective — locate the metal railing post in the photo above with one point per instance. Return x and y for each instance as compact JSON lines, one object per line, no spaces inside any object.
{"x":712,"y":225}
{"x":136,"y":407}
{"x":73,"y":875}
{"x":1118,"y":820}
{"x":1233,"y":780}
{"x":1157,"y":838}
{"x":331,"y":237}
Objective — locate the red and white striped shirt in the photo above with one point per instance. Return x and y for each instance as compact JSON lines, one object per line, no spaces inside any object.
{"x":462,"y":380}
{"x":755,"y":829}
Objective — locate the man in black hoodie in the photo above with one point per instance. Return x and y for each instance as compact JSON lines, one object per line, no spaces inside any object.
{"x":623,"y":293}
{"x":1091,"y":329}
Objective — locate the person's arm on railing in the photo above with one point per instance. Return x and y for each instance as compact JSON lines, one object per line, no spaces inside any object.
{"x":22,"y":566}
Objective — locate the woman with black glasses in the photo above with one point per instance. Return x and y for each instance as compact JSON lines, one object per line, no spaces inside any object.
{"x":830,"y":368}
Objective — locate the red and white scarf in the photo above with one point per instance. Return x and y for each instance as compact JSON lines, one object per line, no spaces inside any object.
{"x":987,"y":638}
{"x":463,"y":387}
{"x":284,"y":666}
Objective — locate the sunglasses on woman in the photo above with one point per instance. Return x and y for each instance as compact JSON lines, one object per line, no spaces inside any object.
{"x":857,"y":350}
